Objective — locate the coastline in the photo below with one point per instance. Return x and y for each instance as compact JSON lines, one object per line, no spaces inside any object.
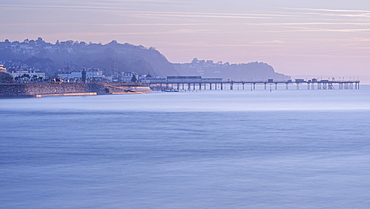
{"x":70,"y":89}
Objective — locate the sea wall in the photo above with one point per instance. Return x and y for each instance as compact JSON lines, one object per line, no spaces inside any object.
{"x":64,"y":88}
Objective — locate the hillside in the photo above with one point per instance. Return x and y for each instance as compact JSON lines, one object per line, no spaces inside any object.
{"x":114,"y":58}
{"x":254,"y":71}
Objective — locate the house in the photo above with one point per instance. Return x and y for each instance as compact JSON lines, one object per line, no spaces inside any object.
{"x":28,"y":74}
{"x":91,"y":73}
{"x":127,"y":76}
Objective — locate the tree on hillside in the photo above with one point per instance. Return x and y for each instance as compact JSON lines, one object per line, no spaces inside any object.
{"x":39,"y":41}
{"x":133,"y":79}
{"x":26,"y":76}
{"x":113,"y":42}
{"x":5,"y":77}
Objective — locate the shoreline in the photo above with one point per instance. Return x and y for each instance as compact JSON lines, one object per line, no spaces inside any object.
{"x":67,"y":94}
{"x":35,"y":90}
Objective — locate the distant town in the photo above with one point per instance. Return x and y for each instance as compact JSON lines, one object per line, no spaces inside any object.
{"x":116,"y":68}
{"x":23,"y":74}
{"x":36,"y":60}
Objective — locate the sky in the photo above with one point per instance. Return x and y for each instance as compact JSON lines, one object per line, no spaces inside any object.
{"x":298,"y":38}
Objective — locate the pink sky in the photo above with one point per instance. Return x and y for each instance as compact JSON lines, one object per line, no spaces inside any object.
{"x":298,"y":38}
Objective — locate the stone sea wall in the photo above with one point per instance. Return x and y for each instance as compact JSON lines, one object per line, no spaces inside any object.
{"x":64,"y":88}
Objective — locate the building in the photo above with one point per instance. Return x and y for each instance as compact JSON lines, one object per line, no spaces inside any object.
{"x":28,"y":74}
{"x":211,"y":80}
{"x":299,"y":80}
{"x":91,"y":74}
{"x":184,"y":79}
{"x":151,"y":79}
{"x":192,"y":79}
{"x":127,"y":76}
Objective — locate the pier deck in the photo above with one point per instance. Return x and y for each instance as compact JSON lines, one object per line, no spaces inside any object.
{"x":232,"y":85}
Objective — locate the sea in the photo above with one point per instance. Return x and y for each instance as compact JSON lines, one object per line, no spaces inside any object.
{"x":189,"y":149}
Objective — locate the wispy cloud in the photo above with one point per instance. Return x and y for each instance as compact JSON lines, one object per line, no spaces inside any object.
{"x":191,"y":24}
{"x":331,"y":12}
{"x":268,"y":44}
{"x":84,"y":7}
{"x":101,"y":24}
{"x":308,"y":23}
{"x":96,"y":5}
{"x":154,"y":1}
{"x":215,"y":15}
{"x":348,"y":30}
{"x":137,"y":33}
{"x":129,"y":11}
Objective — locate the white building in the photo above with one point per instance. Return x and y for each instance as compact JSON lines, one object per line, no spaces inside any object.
{"x":127,"y":76}
{"x":90,"y":74}
{"x":32,"y":74}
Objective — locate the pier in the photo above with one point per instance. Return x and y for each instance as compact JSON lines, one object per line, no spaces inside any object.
{"x":212,"y":84}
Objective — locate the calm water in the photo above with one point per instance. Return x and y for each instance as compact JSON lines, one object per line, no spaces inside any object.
{"x":209,"y":149}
